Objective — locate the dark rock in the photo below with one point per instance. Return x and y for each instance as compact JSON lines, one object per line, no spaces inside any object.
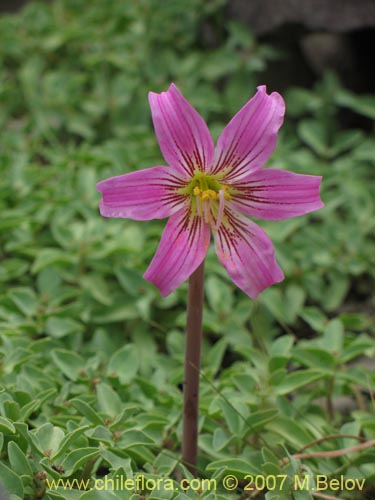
{"x":263,"y":16}
{"x":11,"y":6}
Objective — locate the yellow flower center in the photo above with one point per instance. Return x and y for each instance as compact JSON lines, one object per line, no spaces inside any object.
{"x":208,"y":198}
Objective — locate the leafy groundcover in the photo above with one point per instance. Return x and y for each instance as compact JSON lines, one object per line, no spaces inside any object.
{"x":91,"y":357}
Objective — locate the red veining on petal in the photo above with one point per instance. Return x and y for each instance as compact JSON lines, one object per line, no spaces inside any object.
{"x":230,"y":235}
{"x":193,"y":159}
{"x":221,"y":209}
{"x":194,"y":223}
{"x":231,"y":158}
{"x":239,"y":167}
{"x":188,"y":166}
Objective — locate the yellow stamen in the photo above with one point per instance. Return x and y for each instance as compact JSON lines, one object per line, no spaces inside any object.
{"x":209,"y":194}
{"x":227,"y":196}
{"x":208,"y":197}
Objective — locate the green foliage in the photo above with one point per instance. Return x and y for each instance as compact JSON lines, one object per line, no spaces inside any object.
{"x":91,"y":356}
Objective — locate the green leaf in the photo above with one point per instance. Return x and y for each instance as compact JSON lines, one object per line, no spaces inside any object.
{"x":12,"y":410}
{"x":269,"y":456}
{"x":116,"y":461}
{"x":298,"y":379}
{"x":124,"y":364}
{"x":215,"y":356}
{"x":49,"y":437}
{"x":315,"y":358}
{"x":282,"y":346}
{"x":359,"y":346}
{"x":108,"y":400}
{"x":140,"y":454}
{"x":133,"y":438}
{"x":25,"y":299}
{"x":314,"y":317}
{"x":11,"y":481}
{"x":362,"y":104}
{"x":345,"y":140}
{"x":70,"y":363}
{"x":78,"y":458}
{"x":101,"y":434}
{"x":129,"y":279}
{"x":63,"y":494}
{"x":219,"y":295}
{"x":30,"y":408}
{"x":273,"y":300}
{"x":236,"y":466}
{"x":51,"y":256}
{"x":313,"y":134}
{"x":295,"y":298}
{"x":97,"y":288}
{"x":301,"y":100}
{"x":6,"y":426}
{"x":49,"y":280}
{"x":101,"y":495}
{"x":84,"y":409}
{"x":293,"y":432}
{"x":333,"y":337}
{"x":258,"y":419}
{"x":165,"y":463}
{"x":116,"y":313}
{"x":59,"y":327}
{"x":302,"y":495}
{"x":175,"y":341}
{"x":220,"y":439}
{"x":233,"y":417}
{"x":68,"y":440}
{"x":18,"y":461}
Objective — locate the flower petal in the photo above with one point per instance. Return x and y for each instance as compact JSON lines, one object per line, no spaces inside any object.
{"x":181,"y":250}
{"x":277,"y":194}
{"x":248,"y":140}
{"x":183,"y":136}
{"x":247,"y":254}
{"x":142,"y":195}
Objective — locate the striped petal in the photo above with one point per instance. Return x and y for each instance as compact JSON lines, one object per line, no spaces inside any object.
{"x":142,"y":195}
{"x":247,"y":254}
{"x":182,"y":248}
{"x":183,"y":136}
{"x":248,"y":140}
{"x":277,"y":194}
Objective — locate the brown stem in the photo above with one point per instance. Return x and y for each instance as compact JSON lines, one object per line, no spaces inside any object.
{"x":330,"y":436}
{"x":323,"y":495}
{"x":334,"y":453}
{"x":192,"y":367}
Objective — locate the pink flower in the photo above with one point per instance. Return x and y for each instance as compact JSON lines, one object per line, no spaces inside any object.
{"x":208,"y":189}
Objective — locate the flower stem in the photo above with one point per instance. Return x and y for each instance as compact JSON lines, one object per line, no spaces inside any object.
{"x":192,"y":367}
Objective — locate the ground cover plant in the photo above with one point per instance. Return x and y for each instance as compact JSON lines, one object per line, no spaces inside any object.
{"x":91,"y":354}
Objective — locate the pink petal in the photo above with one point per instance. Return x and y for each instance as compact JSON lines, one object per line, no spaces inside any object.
{"x":181,"y":250}
{"x":277,"y":194}
{"x":142,"y":195}
{"x":248,"y":140}
{"x":183,"y":136}
{"x":247,"y":254}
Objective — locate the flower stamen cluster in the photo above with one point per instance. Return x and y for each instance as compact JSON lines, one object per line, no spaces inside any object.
{"x":208,"y":197}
